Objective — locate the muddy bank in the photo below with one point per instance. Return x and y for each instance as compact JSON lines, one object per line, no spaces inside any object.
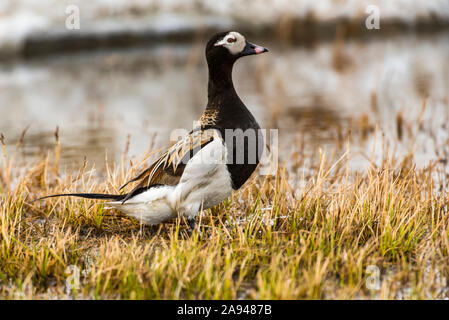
{"x":28,"y":29}
{"x":292,"y":32}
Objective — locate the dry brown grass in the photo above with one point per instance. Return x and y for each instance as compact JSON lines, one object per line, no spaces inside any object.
{"x":270,"y":240}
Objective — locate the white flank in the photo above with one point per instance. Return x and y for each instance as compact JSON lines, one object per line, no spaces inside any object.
{"x":204,"y":183}
{"x":149,"y":207}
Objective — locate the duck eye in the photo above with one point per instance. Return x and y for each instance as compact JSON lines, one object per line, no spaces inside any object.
{"x":231,"y":40}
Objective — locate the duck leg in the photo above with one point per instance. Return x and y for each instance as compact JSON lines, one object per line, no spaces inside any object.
{"x":192,"y":223}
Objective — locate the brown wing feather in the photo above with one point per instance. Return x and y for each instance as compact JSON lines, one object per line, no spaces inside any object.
{"x":169,"y":167}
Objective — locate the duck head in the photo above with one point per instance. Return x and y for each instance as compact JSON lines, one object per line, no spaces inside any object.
{"x":231,"y":45}
{"x":222,"y":50}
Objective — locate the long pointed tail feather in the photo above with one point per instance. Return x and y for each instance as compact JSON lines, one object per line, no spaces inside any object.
{"x":101,"y":196}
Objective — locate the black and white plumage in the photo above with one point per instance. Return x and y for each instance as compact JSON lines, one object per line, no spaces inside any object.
{"x":203,"y":168}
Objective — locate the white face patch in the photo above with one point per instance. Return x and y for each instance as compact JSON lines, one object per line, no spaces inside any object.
{"x":233,"y":41}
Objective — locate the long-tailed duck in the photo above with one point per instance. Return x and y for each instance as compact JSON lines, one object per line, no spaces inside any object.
{"x":208,"y":164}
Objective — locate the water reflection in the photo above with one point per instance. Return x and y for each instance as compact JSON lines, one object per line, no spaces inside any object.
{"x":100,"y":99}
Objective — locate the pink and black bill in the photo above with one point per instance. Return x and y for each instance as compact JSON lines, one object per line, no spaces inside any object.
{"x":251,"y":49}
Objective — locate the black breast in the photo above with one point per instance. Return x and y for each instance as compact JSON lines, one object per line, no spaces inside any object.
{"x":243,"y":138}
{"x":245,"y":149}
